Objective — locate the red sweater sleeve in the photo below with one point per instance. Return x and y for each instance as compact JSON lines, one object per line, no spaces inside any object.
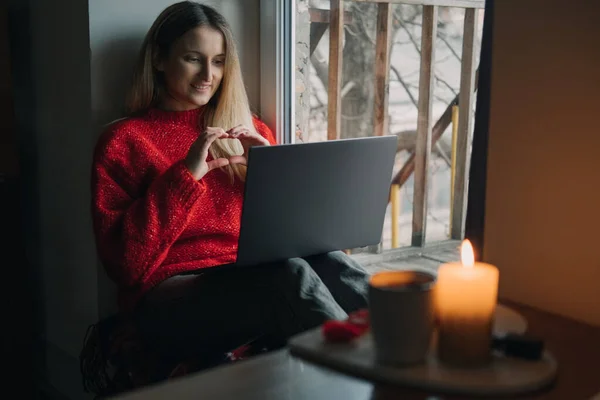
{"x":135,"y":228}
{"x":264,"y":130}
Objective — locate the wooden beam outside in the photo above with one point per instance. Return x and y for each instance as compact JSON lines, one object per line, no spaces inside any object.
{"x":465,"y":124}
{"x":334,"y":100}
{"x":439,"y":3}
{"x":438,"y":130}
{"x":424,"y":124}
{"x":453,"y":158}
{"x":382,"y":69}
{"x":318,"y":15}
{"x":319,"y":22}
{"x":396,"y":205}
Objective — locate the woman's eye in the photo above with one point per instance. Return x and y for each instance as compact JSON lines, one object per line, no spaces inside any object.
{"x":218,"y":62}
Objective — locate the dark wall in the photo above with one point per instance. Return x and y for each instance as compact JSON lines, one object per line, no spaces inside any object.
{"x":8,"y":154}
{"x":51,"y":96}
{"x":16,"y":300}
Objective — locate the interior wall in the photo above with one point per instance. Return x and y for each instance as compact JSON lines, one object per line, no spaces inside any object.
{"x":61,"y":73}
{"x":16,"y":343}
{"x":51,"y":92}
{"x":8,"y":159}
{"x":542,"y":224}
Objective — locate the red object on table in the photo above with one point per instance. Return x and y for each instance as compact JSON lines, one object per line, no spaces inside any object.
{"x":345,"y":331}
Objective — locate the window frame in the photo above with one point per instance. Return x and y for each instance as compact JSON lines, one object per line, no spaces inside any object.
{"x":278,"y":97}
{"x":277,"y":55}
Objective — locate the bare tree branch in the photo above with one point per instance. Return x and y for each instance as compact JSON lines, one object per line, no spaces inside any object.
{"x":401,"y":42}
{"x":417,"y":11}
{"x":350,"y":30}
{"x":443,"y":39}
{"x":454,"y":92}
{"x":413,"y":23}
{"x":363,"y":25}
{"x":410,"y":36}
{"x":404,"y":85}
{"x":440,"y":98}
{"x":441,"y":60}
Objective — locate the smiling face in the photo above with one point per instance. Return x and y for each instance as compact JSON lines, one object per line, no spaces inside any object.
{"x":193,"y":69}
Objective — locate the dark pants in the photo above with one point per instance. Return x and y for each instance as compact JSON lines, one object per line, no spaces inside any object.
{"x":219,"y":309}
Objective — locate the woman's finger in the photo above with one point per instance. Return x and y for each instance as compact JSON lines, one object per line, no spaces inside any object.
{"x":208,"y":141}
{"x":238,"y":160}
{"x":215,"y":131}
{"x":218,"y":163}
{"x":236,"y":128}
{"x":219,"y":134}
{"x":253,"y":138}
{"x":237,"y":132}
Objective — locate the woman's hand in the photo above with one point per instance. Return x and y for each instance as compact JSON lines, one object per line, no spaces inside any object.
{"x":248,"y":139}
{"x":195,"y":160}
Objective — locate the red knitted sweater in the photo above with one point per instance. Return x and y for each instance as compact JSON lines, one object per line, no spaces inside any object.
{"x":152,"y":219}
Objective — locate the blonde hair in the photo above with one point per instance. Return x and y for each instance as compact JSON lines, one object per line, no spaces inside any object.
{"x":229,"y":105}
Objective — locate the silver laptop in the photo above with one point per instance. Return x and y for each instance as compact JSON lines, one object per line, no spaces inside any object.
{"x":310,"y":198}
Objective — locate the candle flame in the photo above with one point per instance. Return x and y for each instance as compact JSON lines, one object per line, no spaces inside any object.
{"x":467,"y":256}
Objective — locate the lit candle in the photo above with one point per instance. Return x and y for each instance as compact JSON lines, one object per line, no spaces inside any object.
{"x":466,"y":296}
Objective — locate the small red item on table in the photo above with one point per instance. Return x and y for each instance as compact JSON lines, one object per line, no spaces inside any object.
{"x":344,"y":331}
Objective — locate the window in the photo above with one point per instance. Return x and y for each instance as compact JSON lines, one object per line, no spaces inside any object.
{"x":403,"y":68}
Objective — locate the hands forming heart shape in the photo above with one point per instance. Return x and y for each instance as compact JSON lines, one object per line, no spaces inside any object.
{"x":198,"y":152}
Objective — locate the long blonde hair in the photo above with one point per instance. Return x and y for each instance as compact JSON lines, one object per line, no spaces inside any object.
{"x":227,"y":108}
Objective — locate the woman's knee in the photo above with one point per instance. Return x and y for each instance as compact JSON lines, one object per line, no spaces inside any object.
{"x":305,"y":293}
{"x":296,"y":273}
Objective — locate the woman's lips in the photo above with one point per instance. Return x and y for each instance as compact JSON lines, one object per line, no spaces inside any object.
{"x":201,"y":88}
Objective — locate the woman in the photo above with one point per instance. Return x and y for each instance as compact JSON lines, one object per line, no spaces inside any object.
{"x":167,"y":198}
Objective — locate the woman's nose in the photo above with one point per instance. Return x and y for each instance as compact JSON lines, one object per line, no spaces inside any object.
{"x":206,"y":72}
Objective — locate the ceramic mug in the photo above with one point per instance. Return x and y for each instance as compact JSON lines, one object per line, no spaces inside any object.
{"x":401,"y":311}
